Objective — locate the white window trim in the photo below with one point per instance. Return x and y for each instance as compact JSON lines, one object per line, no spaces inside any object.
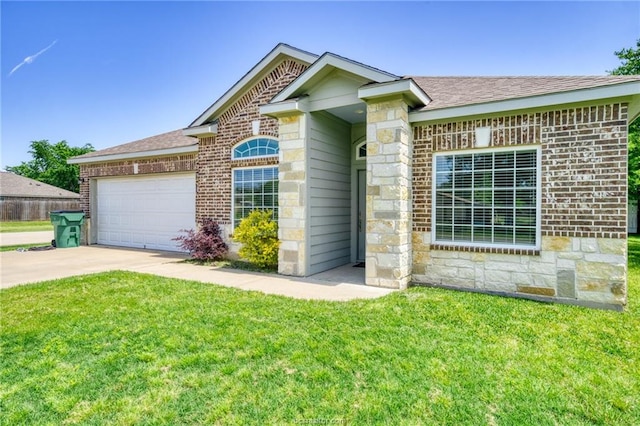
{"x":538,"y":149}
{"x":233,"y":187}
{"x":233,"y":148}
{"x":358,"y":156}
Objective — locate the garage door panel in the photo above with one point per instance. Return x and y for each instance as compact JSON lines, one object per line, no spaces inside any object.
{"x":145,"y":211}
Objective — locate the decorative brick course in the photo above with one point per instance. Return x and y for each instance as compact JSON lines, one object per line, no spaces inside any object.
{"x":495,"y":250}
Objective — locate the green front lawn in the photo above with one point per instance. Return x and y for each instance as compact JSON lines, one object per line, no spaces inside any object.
{"x":125,"y":348}
{"x":27,"y":226}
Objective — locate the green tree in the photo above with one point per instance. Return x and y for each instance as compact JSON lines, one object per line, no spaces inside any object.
{"x":49,"y":164}
{"x":630,"y":59}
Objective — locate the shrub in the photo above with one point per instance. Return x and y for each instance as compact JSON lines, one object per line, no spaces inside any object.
{"x":258,"y":234}
{"x":206,"y":243}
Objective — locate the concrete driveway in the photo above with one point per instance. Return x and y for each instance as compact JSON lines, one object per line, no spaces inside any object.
{"x":33,"y":266}
{"x":344,"y":283}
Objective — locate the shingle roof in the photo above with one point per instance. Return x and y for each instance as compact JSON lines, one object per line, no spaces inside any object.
{"x":12,"y":185}
{"x":173,"y":139}
{"x":448,"y":92}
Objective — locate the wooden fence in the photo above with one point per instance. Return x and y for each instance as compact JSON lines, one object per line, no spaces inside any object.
{"x":23,"y":208}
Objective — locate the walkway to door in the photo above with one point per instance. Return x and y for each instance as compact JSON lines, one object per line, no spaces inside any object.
{"x":342,"y":283}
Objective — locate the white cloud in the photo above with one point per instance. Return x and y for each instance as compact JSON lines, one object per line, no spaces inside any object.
{"x":30,"y":59}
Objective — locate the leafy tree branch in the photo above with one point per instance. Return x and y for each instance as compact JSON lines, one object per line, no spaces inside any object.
{"x":49,"y":164}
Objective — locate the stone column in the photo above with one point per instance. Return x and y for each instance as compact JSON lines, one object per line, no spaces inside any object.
{"x":388,"y":252}
{"x":292,"y":196}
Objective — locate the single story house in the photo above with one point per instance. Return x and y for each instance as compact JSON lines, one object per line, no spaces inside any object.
{"x":512,"y":185}
{"x":22,"y":198}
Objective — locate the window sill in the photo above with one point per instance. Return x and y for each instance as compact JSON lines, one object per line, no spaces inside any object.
{"x":492,"y":250}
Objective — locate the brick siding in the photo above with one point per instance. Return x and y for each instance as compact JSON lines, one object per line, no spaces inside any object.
{"x":214,"y":164}
{"x":584,"y":165}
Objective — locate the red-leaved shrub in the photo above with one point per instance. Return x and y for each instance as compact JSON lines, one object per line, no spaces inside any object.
{"x":206,"y":243}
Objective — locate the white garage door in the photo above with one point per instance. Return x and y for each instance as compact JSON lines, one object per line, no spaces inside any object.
{"x":145,"y":211}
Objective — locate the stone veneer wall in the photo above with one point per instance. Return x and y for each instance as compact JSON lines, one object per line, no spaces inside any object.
{"x":292,"y":196}
{"x":583,"y":253}
{"x":388,"y":246}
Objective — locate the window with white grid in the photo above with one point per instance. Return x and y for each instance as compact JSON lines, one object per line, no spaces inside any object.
{"x":254,"y":189}
{"x":487,"y":198}
{"x":256,"y":147}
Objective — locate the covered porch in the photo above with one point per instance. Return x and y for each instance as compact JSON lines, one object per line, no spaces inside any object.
{"x":345,"y":171}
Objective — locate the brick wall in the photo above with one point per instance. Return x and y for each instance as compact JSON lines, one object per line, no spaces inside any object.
{"x":214,"y":164}
{"x":168,"y":164}
{"x":582,"y":257}
{"x":584,"y":165}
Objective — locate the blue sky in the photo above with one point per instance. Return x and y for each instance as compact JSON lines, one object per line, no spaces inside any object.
{"x":122,"y":71}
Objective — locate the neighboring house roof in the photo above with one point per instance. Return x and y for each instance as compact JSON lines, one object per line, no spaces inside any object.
{"x":448,"y":92}
{"x":173,"y":142}
{"x":12,"y":185}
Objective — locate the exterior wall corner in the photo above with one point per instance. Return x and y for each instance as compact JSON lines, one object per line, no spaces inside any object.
{"x":389,"y":207}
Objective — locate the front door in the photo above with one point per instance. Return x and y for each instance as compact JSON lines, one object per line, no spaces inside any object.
{"x":362,"y":214}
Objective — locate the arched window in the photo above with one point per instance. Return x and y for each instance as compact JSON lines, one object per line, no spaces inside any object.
{"x":256,"y":147}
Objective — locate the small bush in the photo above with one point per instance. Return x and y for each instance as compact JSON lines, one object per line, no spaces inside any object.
{"x":258,"y":234}
{"x":206,"y":243}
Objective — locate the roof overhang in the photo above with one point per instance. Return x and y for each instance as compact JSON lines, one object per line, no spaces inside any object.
{"x":279,"y":53}
{"x":132,"y":155}
{"x":407,"y":88}
{"x":627,"y":92}
{"x":203,"y":131}
{"x":327,"y":63}
{"x":287,"y":107}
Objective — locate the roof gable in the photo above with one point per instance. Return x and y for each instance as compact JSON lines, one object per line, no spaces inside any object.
{"x":323,"y":67}
{"x":12,"y":185}
{"x":279,"y":53}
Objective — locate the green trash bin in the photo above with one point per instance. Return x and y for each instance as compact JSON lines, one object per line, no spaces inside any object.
{"x":66,"y":227}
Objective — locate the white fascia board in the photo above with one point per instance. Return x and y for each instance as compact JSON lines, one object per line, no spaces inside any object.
{"x":279,"y":51}
{"x":329,"y":60}
{"x":406,"y":87}
{"x":130,"y":155}
{"x":285,"y":107}
{"x":205,"y":130}
{"x":631,"y":89}
{"x":338,"y":101}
